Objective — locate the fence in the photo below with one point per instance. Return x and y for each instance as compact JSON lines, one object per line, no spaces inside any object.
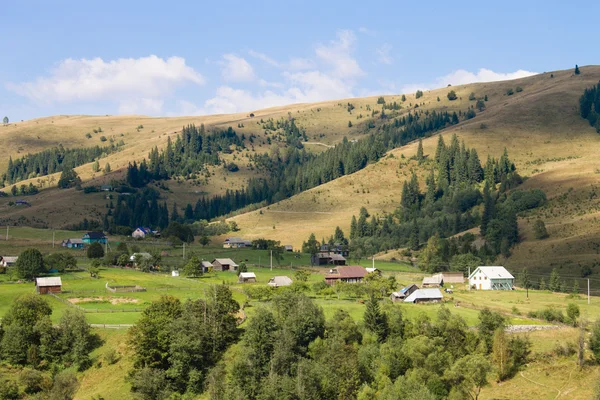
{"x":125,"y":289}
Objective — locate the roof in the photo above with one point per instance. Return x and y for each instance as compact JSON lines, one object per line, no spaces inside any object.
{"x":144,"y":229}
{"x":206,"y":264}
{"x":95,"y":235}
{"x":495,"y":272}
{"x":407,"y":288}
{"x":9,"y":259}
{"x":369,"y":270}
{"x":337,"y":257}
{"x":225,"y":261}
{"x":236,"y":240}
{"x":75,"y":241}
{"x":347,"y":271}
{"x":424,"y":294}
{"x":280,"y":281}
{"x":247,"y":275}
{"x":52,"y":281}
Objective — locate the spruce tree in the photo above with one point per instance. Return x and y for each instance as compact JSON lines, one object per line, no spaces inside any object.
{"x":577,"y":72}
{"x":542,"y":284}
{"x":420,"y":156}
{"x":375,"y":321}
{"x":554,"y":281}
{"x":488,"y":209}
{"x":441,"y":148}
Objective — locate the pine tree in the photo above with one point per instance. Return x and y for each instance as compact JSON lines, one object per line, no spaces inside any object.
{"x":577,"y":72}
{"x":107,"y":168}
{"x":441,"y":148}
{"x":420,"y":156}
{"x":353,"y":227}
{"x":488,"y":209}
{"x":575,"y":287}
{"x":542,"y":284}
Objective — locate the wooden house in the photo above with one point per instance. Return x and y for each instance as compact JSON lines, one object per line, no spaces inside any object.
{"x":224,"y":264}
{"x":346,"y":273}
{"x":432,"y":295}
{"x":403,"y":293}
{"x":247,"y":277}
{"x":48,"y":285}
{"x":279,"y":281}
{"x":95,"y":237}
{"x":8,"y":261}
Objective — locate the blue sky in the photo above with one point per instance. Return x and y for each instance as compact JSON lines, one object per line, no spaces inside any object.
{"x":183,"y":58}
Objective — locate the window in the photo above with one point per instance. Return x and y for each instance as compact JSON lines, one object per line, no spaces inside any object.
{"x":485,"y":278}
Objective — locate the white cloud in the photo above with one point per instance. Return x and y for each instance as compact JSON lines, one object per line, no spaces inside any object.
{"x":299,"y":64}
{"x":366,"y":31}
{"x":463,"y":77}
{"x":237,"y":69}
{"x":138,"y":85}
{"x":338,"y":55}
{"x":383,"y":54}
{"x":264,"y":57}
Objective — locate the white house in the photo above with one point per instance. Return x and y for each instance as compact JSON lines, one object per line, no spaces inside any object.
{"x":174,"y":273}
{"x":491,"y":278}
{"x":141,"y":232}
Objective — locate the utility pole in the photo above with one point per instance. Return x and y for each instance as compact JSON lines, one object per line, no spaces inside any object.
{"x":53,"y":232}
{"x":184,"y":250}
{"x":7,"y":233}
{"x":259,"y":266}
{"x":588,"y":291}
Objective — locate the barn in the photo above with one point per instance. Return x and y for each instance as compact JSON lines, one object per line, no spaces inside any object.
{"x":48,"y":285}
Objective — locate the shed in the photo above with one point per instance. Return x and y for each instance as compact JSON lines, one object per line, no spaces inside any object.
{"x":425,"y":296}
{"x":48,"y":285}
{"x":346,"y":273}
{"x":288,"y":247}
{"x":433,"y":281}
{"x":174,"y":273}
{"x":278,"y":281}
{"x":453,"y":277}
{"x":403,"y":293}
{"x":247,"y":277}
{"x":141,"y":232}
{"x":224,"y":264}
{"x":8,"y":261}
{"x":206,"y":266}
{"x":491,"y":278}
{"x":236,"y":243}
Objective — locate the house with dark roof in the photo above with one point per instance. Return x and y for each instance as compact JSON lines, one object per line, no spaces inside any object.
{"x":236,"y":243}
{"x":327,"y":258}
{"x":95,"y":237}
{"x":141,"y":232}
{"x":73,"y":243}
{"x":346,"y":273}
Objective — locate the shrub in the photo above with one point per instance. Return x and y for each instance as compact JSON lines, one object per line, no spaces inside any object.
{"x":510,"y":92}
{"x":103,"y":138}
{"x":33,"y":381}
{"x":452,"y":95}
{"x":111,"y":356}
{"x":9,"y":390}
{"x":480,"y":105}
{"x":539,"y":230}
{"x":419,"y":94}
{"x":380,"y":100}
{"x":88,"y":135}
{"x":472,"y":96}
{"x":519,"y":89}
{"x":566,"y":349}
{"x":470,"y":114}
{"x":549,"y":314}
{"x":95,"y":251}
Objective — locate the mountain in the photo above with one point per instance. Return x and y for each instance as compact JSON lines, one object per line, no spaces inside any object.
{"x":539,"y":124}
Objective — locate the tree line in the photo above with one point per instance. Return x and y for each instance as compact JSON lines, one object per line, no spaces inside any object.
{"x":589,"y":106}
{"x":52,"y":160}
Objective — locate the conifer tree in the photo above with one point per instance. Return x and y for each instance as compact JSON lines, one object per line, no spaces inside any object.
{"x":542,"y":284}
{"x":441,"y":148}
{"x":375,"y":320}
{"x":420,"y":156}
{"x":488,"y":209}
{"x":577,"y":72}
{"x":555,"y":281}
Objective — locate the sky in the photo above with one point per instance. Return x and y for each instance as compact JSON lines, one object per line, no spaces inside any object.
{"x":196,"y":58}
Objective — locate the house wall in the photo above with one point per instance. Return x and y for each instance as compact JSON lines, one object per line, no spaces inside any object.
{"x":49,"y":289}
{"x":480,"y":281}
{"x":508,"y":282}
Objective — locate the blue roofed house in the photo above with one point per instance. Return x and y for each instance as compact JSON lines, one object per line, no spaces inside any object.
{"x":141,"y":232}
{"x":403,"y":293}
{"x":94,"y":237}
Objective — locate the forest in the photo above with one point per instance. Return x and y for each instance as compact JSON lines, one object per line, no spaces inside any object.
{"x":452,"y":202}
{"x":53,"y":160}
{"x":287,"y":171}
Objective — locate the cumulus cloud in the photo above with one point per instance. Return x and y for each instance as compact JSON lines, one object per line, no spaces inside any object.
{"x":299,"y":64}
{"x":264,"y":57}
{"x":338,"y":55}
{"x":237,"y":69}
{"x":383,"y":54}
{"x":137,"y":84}
{"x":463,"y":77}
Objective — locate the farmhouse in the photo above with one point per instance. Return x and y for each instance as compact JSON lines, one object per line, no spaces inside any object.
{"x":278,"y":281}
{"x":247,"y":277}
{"x":73,"y":243}
{"x":94,"y":237}
{"x":224,"y":264}
{"x":327,"y":258}
{"x":346,"y":273}
{"x":48,"y":285}
{"x":288,"y":247}
{"x":206,"y":267}
{"x":403,"y":293}
{"x":141,"y":232}
{"x":425,"y":296}
{"x":491,"y":278}
{"x":336,"y":248}
{"x":236,"y":243}
{"x":8,"y":261}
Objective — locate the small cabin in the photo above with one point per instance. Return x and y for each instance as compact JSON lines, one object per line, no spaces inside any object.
{"x":94,"y":237}
{"x":224,"y":264}
{"x":279,"y":281}
{"x":48,"y":285}
{"x":247,"y":277}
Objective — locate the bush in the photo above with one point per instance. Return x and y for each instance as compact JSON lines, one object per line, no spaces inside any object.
{"x":472,"y":96}
{"x":381,"y":100}
{"x":111,"y":356}
{"x":33,"y":381}
{"x":9,"y":390}
{"x":509,"y":92}
{"x":103,"y":138}
{"x":549,"y":314}
{"x":88,"y":135}
{"x":519,"y":89}
{"x":539,"y":230}
{"x":566,"y":349}
{"x":470,"y":114}
{"x":419,"y":94}
{"x":65,"y":386}
{"x":232,"y":167}
{"x":452,"y":95}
